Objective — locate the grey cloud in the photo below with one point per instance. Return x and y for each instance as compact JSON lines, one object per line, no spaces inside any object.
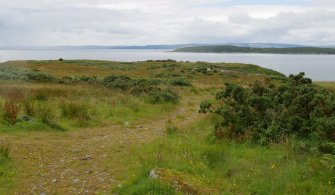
{"x":111,"y":22}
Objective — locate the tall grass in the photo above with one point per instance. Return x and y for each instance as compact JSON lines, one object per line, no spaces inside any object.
{"x":12,"y":106}
{"x":11,"y":111}
{"x":75,"y":110}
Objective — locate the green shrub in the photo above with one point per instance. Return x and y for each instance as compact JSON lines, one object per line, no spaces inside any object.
{"x":163,"y":96}
{"x":38,"y":76}
{"x":118,"y":82}
{"x":180,"y":82}
{"x":266,"y":113}
{"x":12,"y":74}
{"x":15,"y":74}
{"x":204,"y":107}
{"x":327,"y":148}
{"x":141,"y":87}
{"x":90,"y":79}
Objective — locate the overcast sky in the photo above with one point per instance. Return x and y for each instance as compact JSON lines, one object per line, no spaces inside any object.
{"x":141,"y":22}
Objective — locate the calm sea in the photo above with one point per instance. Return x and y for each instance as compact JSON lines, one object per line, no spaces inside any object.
{"x":317,"y":67}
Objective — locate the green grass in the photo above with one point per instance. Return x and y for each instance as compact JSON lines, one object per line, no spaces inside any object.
{"x":228,"y":167}
{"x":330,"y":85}
{"x":132,"y":110}
{"x":89,"y":112}
{"x":6,"y":171}
{"x":143,"y":185}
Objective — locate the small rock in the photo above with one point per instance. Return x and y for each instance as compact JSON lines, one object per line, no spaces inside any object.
{"x":87,"y":157}
{"x":153,"y":174}
{"x":25,"y":118}
{"x":54,"y":181}
{"x":43,"y":193}
{"x":76,"y":181}
{"x":127,"y":123}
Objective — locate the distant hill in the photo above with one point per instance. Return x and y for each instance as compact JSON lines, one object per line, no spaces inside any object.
{"x":236,"y":49}
{"x":167,"y":47}
{"x":162,"y":47}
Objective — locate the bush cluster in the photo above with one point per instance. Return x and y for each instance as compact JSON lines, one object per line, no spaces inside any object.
{"x":32,"y":75}
{"x":180,"y":82}
{"x":38,"y":76}
{"x":141,"y":87}
{"x":267,"y":113}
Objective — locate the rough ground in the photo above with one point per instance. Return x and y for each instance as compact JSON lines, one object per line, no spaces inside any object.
{"x":86,"y":161}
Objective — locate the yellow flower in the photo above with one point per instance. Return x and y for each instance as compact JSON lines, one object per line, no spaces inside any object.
{"x":273,"y":166}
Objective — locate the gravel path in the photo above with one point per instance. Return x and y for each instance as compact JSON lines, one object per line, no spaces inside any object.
{"x":86,"y":161}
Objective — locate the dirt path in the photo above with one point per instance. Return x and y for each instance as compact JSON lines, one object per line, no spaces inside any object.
{"x":86,"y":161}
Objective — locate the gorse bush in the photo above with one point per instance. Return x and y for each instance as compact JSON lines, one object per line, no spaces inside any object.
{"x":265,"y":112}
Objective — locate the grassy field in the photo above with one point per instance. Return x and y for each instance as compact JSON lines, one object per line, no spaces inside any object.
{"x":90,"y":127}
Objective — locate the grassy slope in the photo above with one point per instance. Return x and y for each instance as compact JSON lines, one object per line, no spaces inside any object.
{"x":124,"y":154}
{"x":235,"y":49}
